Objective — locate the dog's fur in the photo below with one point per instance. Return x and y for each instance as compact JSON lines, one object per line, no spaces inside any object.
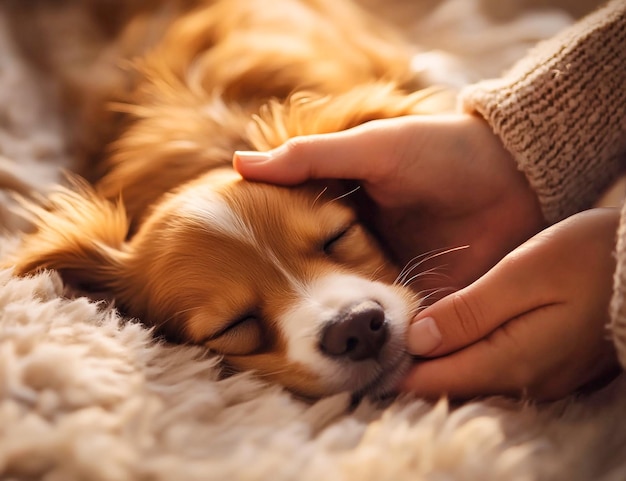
{"x":282,"y":281}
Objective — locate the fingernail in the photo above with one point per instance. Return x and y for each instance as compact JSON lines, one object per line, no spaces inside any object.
{"x":423,"y":336}
{"x":249,"y":156}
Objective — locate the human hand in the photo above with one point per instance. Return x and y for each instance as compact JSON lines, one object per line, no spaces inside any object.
{"x":535,"y":324}
{"x":436,"y":182}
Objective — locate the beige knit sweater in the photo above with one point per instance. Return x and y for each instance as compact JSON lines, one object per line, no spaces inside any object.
{"x":561,"y":111}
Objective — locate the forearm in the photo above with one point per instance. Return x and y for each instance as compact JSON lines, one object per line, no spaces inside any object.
{"x":561,"y":111}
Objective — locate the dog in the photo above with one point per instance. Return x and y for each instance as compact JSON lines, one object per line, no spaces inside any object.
{"x":285,"y":282}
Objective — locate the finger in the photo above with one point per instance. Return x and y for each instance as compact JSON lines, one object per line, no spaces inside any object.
{"x":512,"y":361}
{"x":472,"y":372}
{"x":507,"y":291}
{"x":360,"y":153}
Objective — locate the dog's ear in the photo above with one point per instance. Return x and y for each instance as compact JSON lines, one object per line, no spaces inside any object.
{"x":79,"y":234}
{"x":307,"y":113}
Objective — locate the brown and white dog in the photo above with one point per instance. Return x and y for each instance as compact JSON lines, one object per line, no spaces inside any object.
{"x":283,"y":281}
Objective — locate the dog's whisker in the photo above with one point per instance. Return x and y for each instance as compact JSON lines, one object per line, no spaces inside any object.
{"x":433,"y":292}
{"x":409,"y":267}
{"x":424,"y":292}
{"x":420,"y":259}
{"x":342,"y":196}
{"x":319,"y":196}
{"x":375,"y":275}
{"x":407,"y":280}
{"x":429,"y":273}
{"x":424,"y":295}
{"x":413,"y":261}
{"x":415,"y":296}
{"x":450,"y":250}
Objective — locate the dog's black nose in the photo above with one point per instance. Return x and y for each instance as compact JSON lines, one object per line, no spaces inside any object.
{"x":358,"y":333}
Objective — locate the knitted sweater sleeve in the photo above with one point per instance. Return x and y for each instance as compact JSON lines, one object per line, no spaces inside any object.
{"x":561,"y":112}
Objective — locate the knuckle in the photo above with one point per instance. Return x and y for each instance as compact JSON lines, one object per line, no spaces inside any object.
{"x":297,"y":146}
{"x":469,"y":315}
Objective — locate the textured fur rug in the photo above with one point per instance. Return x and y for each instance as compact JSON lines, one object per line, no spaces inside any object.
{"x":87,"y":395}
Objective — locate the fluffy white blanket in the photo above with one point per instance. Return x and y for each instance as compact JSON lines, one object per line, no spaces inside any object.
{"x":86,"y":395}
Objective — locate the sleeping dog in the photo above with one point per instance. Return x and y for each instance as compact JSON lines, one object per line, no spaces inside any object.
{"x":286,"y":282}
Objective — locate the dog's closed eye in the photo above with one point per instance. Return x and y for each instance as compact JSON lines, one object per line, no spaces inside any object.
{"x":331,"y":243}
{"x":242,"y":335}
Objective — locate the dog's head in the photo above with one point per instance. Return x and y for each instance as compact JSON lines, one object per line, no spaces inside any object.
{"x":282,"y":281}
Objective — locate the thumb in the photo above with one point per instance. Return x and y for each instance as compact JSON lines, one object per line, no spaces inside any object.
{"x":508,"y":290}
{"x":352,"y":154}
